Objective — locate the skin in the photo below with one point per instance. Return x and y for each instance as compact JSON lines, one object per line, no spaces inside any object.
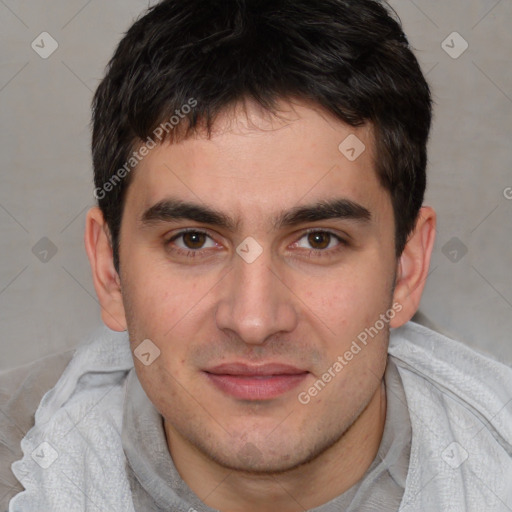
{"x":301,"y":302}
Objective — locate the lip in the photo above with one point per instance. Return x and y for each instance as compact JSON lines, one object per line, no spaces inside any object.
{"x":251,"y":382}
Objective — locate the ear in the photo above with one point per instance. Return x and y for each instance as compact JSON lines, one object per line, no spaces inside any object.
{"x":413,"y":267}
{"x":105,"y":277}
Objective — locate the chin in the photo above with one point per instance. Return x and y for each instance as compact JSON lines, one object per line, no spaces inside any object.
{"x":261,"y":457}
{"x":252,"y":460}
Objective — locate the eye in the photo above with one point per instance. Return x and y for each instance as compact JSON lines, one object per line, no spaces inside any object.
{"x":320,"y":240}
{"x":191,"y":240}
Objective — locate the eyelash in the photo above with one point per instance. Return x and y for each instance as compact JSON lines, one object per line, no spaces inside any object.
{"x":312,"y":253}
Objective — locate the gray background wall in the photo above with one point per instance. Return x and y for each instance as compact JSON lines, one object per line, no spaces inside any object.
{"x":47,"y":301}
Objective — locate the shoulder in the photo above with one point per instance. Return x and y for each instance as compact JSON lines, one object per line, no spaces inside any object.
{"x":412,"y":342}
{"x":89,"y":392}
{"x":21,"y":391}
{"x":459,"y":402}
{"x":455,"y":376}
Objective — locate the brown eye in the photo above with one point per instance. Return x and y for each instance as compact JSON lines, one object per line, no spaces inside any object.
{"x":194,"y":239}
{"x":319,"y":239}
{"x":320,"y":243}
{"x":191,"y":240}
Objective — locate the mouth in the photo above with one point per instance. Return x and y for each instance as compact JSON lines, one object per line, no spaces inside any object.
{"x":263,"y":382}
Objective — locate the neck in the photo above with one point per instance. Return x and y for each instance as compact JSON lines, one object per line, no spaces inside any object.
{"x":308,"y":486}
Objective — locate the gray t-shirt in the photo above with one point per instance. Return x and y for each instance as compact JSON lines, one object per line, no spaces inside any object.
{"x":157,"y":486}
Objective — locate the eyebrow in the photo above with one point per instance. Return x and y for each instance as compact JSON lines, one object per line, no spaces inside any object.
{"x":171,"y":210}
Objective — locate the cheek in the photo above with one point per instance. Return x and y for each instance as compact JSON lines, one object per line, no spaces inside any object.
{"x":350,"y":301}
{"x":170,"y":311}
{"x":160,"y":298}
{"x":159,"y":377}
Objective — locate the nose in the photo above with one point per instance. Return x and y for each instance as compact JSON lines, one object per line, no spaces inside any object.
{"x":255,"y":302}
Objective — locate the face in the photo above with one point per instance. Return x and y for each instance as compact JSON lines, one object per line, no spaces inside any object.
{"x":253,"y":260}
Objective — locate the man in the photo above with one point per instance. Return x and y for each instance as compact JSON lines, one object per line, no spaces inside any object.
{"x":262,"y":242}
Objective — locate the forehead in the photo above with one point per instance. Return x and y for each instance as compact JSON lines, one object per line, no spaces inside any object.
{"x":256,"y":164}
